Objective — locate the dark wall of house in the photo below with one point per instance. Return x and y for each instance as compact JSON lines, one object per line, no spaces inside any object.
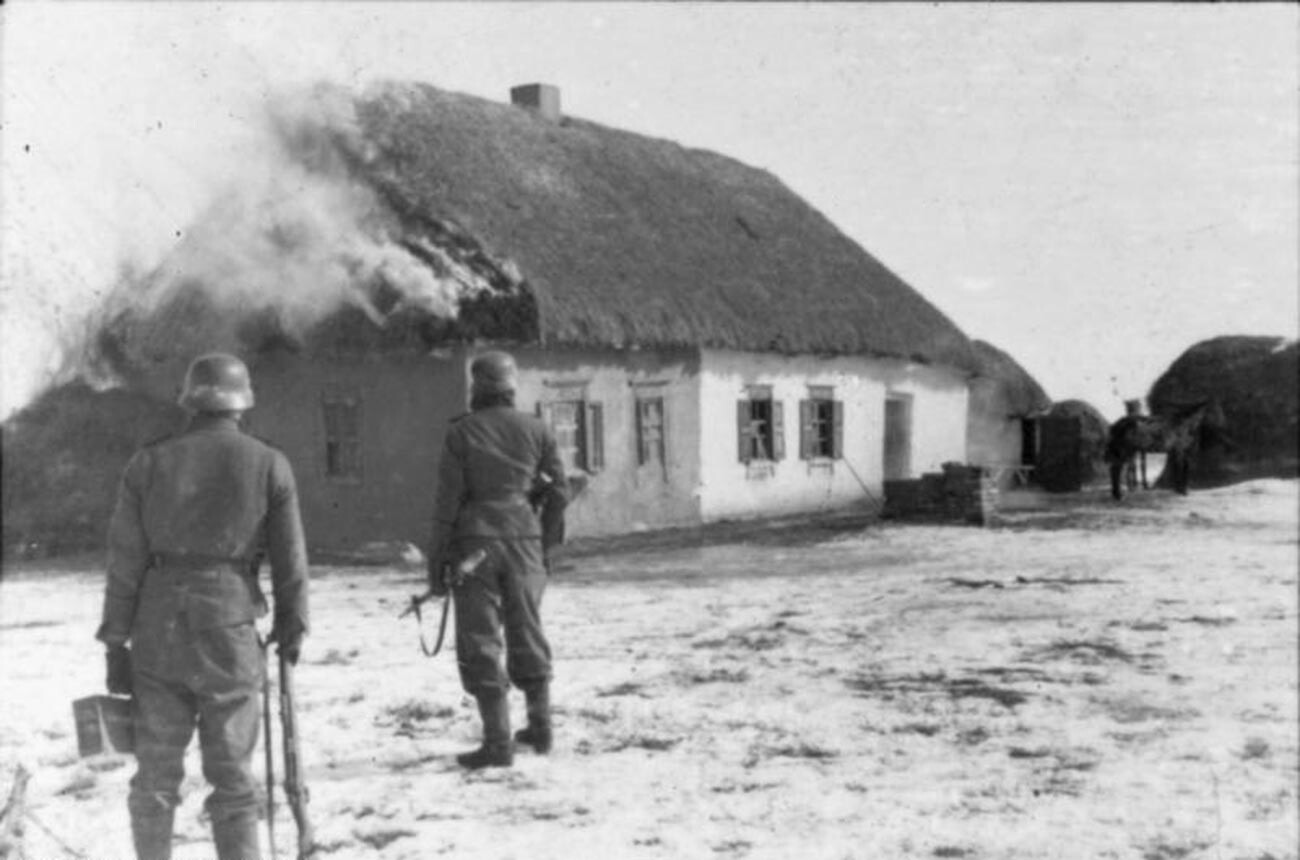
{"x":403,"y":401}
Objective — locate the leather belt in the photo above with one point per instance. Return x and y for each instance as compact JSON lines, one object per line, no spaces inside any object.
{"x":194,"y":561}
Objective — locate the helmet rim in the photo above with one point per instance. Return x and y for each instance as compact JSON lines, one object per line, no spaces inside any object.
{"x":217,"y":382}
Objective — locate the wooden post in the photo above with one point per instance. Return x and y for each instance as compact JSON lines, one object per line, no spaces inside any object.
{"x":11,"y":818}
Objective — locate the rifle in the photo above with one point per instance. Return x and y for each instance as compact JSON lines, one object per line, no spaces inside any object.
{"x":295,"y":790}
{"x":548,"y":501}
{"x":464,"y":570}
{"x":266,"y":746}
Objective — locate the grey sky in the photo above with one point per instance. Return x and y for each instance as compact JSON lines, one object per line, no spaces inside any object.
{"x":1091,"y":187}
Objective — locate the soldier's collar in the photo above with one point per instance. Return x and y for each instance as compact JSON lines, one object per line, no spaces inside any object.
{"x":213,"y":421}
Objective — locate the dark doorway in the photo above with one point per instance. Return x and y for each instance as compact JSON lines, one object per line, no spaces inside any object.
{"x":1028,"y":442}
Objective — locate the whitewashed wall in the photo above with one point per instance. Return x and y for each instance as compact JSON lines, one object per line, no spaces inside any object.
{"x":730,"y":488}
{"x":624,"y":496}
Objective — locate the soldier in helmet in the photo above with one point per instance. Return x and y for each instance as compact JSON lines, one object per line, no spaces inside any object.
{"x":494,"y":461}
{"x":195,"y":512}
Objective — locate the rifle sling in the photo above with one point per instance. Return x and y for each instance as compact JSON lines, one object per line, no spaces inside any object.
{"x":442,"y":625}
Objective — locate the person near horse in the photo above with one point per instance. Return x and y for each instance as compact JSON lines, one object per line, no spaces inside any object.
{"x":1178,"y":433}
{"x":194,"y":514}
{"x":1137,"y":464}
{"x":498,"y":466}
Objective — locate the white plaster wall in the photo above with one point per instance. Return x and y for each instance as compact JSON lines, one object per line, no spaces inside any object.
{"x":730,"y":488}
{"x":625,"y":496}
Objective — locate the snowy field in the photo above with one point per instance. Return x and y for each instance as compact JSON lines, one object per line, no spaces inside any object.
{"x":1084,"y":680}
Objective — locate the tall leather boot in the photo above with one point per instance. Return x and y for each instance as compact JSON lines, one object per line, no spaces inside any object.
{"x":497,"y":749}
{"x":236,"y":838}
{"x":537,"y":734}
{"x":152,"y":835}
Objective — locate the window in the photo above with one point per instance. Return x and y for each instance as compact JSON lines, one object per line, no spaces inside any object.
{"x":649,"y":431}
{"x":579,"y":428}
{"x":821,"y":425}
{"x":760,"y":422}
{"x":342,"y":420}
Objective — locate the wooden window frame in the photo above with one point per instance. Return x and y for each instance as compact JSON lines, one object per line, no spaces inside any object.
{"x":589,"y":447}
{"x":760,"y":426}
{"x":341,"y":448}
{"x":821,"y":425}
{"x":651,"y":448}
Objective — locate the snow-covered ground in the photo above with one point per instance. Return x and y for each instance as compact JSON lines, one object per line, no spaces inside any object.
{"x":1084,"y":680}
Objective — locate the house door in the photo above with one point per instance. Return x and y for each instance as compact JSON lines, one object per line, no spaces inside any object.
{"x":898,"y":438}
{"x":1028,"y":441}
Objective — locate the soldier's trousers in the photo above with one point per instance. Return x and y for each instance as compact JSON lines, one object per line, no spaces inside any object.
{"x":205,"y":679}
{"x":498,"y":609}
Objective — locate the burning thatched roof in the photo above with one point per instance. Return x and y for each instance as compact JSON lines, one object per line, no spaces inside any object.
{"x":1253,"y":381}
{"x":412,"y":216}
{"x":626,"y":240}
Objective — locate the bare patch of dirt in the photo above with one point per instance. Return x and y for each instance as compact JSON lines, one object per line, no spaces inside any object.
{"x":958,"y":688}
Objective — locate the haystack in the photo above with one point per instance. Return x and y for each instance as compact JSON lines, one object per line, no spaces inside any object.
{"x":63,"y":457}
{"x":1085,"y":460}
{"x":1253,"y":381}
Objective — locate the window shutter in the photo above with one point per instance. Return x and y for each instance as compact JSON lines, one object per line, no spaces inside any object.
{"x":805,"y":429}
{"x":837,"y":418}
{"x":595,"y":436}
{"x":742,"y":429}
{"x":642,"y":454}
{"x":663,"y":432}
{"x":778,"y":430}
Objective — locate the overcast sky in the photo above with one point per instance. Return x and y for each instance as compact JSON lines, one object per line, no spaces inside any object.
{"x":1092,"y":188}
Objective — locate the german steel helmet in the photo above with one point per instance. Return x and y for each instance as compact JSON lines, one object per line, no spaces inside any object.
{"x":217,"y":382}
{"x":494,"y":372}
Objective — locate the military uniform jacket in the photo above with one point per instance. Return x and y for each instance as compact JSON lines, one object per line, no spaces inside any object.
{"x":491,"y":461}
{"x":193,"y":512}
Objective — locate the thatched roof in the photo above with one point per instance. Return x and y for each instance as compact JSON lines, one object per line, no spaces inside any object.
{"x":1022,"y":394}
{"x":1253,"y":381}
{"x":534,"y":231}
{"x":623,"y":239}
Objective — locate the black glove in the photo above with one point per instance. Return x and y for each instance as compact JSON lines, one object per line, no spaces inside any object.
{"x":287,"y":635}
{"x":118,"y":676}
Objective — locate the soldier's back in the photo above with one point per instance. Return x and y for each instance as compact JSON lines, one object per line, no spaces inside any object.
{"x":206,"y":491}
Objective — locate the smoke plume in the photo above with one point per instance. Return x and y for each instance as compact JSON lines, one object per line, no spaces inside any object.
{"x":296,"y":236}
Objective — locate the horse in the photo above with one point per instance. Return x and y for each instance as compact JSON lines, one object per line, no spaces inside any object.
{"x":1176,"y":435}
{"x":1135,"y":472}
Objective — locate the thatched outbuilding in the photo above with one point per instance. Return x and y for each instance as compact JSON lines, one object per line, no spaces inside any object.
{"x":705,"y":343}
{"x":1252,"y":384}
{"x":1001,"y":422}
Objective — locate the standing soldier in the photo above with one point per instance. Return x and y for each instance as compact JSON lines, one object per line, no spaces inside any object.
{"x":497,"y":466}
{"x":194,"y":514}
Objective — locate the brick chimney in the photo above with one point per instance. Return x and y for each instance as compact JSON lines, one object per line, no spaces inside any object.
{"x":542,"y":98}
